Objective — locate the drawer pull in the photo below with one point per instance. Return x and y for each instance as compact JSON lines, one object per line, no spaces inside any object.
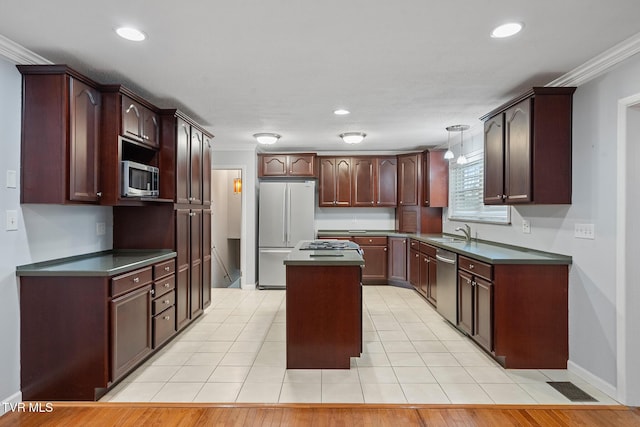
{"x":136,"y":279}
{"x":166,"y":301}
{"x":370,"y":240}
{"x":167,"y":268}
{"x":167,"y":317}
{"x":471,"y":266}
{"x":166,"y":285}
{"x":385,"y":249}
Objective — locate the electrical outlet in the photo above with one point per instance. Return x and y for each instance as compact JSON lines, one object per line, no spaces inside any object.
{"x":526,"y":226}
{"x":12,"y":220}
{"x":100,"y":228}
{"x":11,"y":179}
{"x":584,"y":231}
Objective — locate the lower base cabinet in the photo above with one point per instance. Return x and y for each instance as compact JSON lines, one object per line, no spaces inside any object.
{"x":423,"y":270}
{"x":79,"y":335}
{"x":375,"y":259}
{"x":475,"y":301}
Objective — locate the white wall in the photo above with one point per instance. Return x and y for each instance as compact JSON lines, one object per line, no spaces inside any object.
{"x":44,"y":232}
{"x":592,"y":280}
{"x":246,"y":161}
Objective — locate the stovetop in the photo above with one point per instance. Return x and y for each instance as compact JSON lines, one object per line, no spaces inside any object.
{"x":331,"y":245}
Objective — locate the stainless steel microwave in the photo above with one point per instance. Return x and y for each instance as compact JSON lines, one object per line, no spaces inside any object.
{"x":139,"y":180}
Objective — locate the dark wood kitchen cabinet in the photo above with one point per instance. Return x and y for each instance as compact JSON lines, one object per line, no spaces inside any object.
{"x":61,"y":122}
{"x":185,"y":160}
{"x":140,"y":122}
{"x":435,"y":179}
{"x":374,"y":181}
{"x":528,"y":148}
{"x":206,"y":258}
{"x":398,"y":260}
{"x":408,"y":178}
{"x":183,"y":267}
{"x":287,"y":165}
{"x":195,"y":262}
{"x":335,"y":182}
{"x":475,"y":300}
{"x":423,"y":270}
{"x":375,"y":258}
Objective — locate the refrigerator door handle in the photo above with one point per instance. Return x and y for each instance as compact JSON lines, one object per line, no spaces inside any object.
{"x":284,"y":215}
{"x":288,"y":215}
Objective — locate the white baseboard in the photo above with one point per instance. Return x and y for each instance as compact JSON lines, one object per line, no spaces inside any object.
{"x":609,"y":389}
{"x":248,"y":286}
{"x":14,"y":398}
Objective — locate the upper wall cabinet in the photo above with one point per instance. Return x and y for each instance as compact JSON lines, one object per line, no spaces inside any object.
{"x":334,"y":188}
{"x":374,"y":181}
{"x":185,"y":160}
{"x":61,"y":115}
{"x":528,"y":149}
{"x":408,"y":179}
{"x":140,"y":123}
{"x":435,"y":179}
{"x":286,"y":165}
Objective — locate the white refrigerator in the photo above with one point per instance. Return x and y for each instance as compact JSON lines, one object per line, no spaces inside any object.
{"x":286,"y":214}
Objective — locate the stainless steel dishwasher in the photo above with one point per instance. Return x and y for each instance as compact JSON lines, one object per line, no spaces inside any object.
{"x":447,"y":285}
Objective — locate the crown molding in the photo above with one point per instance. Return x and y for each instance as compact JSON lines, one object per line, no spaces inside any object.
{"x":600,"y":64}
{"x":19,"y":54}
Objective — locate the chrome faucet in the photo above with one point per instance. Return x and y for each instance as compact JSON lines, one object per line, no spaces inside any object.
{"x":467,"y":232}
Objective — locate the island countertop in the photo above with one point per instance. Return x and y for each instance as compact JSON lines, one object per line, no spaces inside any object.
{"x":323,"y":257}
{"x":105,"y":263}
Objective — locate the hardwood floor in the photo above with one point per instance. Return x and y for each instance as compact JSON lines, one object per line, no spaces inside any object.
{"x":174,"y":414}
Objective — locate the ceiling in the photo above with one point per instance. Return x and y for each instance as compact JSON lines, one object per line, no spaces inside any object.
{"x":405,"y":69}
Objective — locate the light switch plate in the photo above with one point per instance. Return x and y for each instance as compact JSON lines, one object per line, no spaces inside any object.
{"x":584,"y":231}
{"x":526,"y":226}
{"x":100,"y":228}
{"x":11,"y":179}
{"x":12,"y":220}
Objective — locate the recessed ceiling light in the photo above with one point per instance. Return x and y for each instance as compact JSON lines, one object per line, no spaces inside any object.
{"x":506,"y":30}
{"x":341,"y":112}
{"x":132,"y":34}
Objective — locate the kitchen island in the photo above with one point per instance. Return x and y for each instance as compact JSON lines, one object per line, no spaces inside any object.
{"x":324,"y":307}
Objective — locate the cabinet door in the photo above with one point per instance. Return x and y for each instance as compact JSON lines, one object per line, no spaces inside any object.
{"x":414,"y":269}
{"x":494,"y":161}
{"x":343,"y":182}
{"x":483,"y":313}
{"x":197,"y":142}
{"x":386,"y":181}
{"x":435,"y":173}
{"x":363,"y":179}
{"x":206,"y":258}
{"x":408,"y":180}
{"x":398,"y":258}
{"x":518,"y":152}
{"x":131,"y":337}
{"x":196,"y":261}
{"x":432,"y":287}
{"x":302,"y":165}
{"x":465,"y":303}
{"x":183,"y":142}
{"x":183,"y":289}
{"x":84,"y":139}
{"x":327,"y":187}
{"x":273,"y":165}
{"x":375,"y":263}
{"x":151,"y":128}
{"x":206,"y":172}
{"x":131,"y":119}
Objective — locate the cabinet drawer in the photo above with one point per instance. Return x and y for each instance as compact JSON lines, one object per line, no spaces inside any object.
{"x":414,"y":244}
{"x":129,"y":281}
{"x":428,"y":250}
{"x":164,"y":269}
{"x":164,"y":326}
{"x":164,"y":285}
{"x":370,"y":241}
{"x":162,"y":303}
{"x":476,"y":267}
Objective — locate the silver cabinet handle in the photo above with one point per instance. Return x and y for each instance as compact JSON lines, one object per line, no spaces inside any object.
{"x":166,"y":301}
{"x":167,"y":268}
{"x":471,"y":266}
{"x":136,"y":280}
{"x":152,"y":292}
{"x":99,"y":194}
{"x":385,"y":249}
{"x":166,"y":285}
{"x":167,"y":317}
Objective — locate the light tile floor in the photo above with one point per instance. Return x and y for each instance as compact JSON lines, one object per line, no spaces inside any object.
{"x":236,"y":352}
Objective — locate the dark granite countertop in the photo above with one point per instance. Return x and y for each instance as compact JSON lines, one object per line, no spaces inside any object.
{"x":491,"y":252}
{"x":105,"y":263}
{"x":323,"y":257}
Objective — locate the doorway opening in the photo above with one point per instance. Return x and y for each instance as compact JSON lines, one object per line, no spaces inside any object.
{"x":226,"y":227}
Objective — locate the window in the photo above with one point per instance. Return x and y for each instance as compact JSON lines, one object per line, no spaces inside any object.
{"x":466,"y":193}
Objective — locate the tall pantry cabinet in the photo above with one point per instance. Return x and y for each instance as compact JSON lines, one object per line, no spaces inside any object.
{"x":185,"y":177}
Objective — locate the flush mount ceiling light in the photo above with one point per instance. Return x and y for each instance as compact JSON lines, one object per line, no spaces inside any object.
{"x":341,"y":112}
{"x":266,"y":138}
{"x":130,"y":33}
{"x":353,"y":137}
{"x":506,"y":30}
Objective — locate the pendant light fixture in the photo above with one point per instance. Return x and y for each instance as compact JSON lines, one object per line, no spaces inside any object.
{"x":449,"y":154}
{"x":462,"y":160}
{"x":237,"y":184}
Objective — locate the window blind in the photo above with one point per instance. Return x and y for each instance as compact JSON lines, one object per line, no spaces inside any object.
{"x":466,"y":201}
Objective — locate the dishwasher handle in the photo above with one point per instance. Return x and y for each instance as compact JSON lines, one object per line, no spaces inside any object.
{"x":445,"y":260}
